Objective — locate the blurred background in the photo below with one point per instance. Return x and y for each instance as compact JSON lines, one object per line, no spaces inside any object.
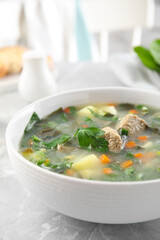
{"x":72,"y":30}
{"x":78,"y":31}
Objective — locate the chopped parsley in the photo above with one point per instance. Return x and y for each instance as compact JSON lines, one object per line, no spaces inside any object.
{"x":91,"y":138}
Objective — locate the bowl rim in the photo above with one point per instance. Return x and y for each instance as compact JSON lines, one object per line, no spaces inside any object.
{"x":44,"y":171}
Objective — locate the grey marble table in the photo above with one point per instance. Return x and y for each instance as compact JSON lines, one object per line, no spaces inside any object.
{"x":22,"y":216}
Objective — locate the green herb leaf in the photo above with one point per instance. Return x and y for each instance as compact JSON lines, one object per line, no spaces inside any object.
{"x":92,"y":131}
{"x":142,"y":108}
{"x":90,"y":122}
{"x":61,"y":167}
{"x":105,"y":117}
{"x":59,"y":140}
{"x":95,"y":114}
{"x":115,"y":167}
{"x":38,"y":143}
{"x":41,"y":161}
{"x":123,"y":131}
{"x":58,"y":116}
{"x":110,"y":119}
{"x":73,"y":110}
{"x":101,"y":145}
{"x":130,"y":156}
{"x":34,"y":119}
{"x":38,"y":157}
{"x":130,"y":171}
{"x":146,"y":58}
{"x":114,"y":118}
{"x":36,"y":139}
{"x":126,"y":106}
{"x":155,"y":50}
{"x":91,"y":138}
{"x":51,"y":124}
{"x":155,"y":123}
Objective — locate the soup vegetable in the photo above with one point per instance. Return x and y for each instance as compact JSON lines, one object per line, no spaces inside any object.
{"x":108,"y":142}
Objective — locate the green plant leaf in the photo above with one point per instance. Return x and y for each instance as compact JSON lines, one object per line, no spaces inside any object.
{"x":130,"y":155}
{"x":91,"y":138}
{"x":73,"y":110}
{"x":107,"y":117}
{"x":58,"y":116}
{"x":142,"y":108}
{"x":126,"y":106}
{"x":59,"y":140}
{"x":61,"y":167}
{"x":34,"y":119}
{"x":155,"y":50}
{"x":38,"y":143}
{"x":146,"y":58}
{"x":130,"y":171}
{"x":90,"y":122}
{"x":123,"y":131}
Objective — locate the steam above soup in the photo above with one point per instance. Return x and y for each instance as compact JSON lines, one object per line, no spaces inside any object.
{"x":108,"y":142}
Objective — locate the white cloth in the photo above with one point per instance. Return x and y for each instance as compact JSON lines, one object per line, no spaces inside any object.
{"x":43,"y":27}
{"x":132,"y":73}
{"x":9,"y":22}
{"x":48,"y":25}
{"x":121,"y":70}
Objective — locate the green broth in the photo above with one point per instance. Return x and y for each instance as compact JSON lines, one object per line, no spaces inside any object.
{"x":71,"y":141}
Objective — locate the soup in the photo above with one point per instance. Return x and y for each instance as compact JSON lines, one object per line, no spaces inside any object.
{"x":107,"y":142}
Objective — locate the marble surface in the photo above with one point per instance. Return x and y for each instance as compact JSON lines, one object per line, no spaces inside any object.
{"x":22,"y":216}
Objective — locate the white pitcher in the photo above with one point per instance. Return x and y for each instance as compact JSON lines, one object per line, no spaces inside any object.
{"x":36,"y":81}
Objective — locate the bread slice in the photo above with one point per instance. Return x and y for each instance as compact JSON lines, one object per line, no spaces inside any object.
{"x":11,"y":60}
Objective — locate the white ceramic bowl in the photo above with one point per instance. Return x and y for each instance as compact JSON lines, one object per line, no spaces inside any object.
{"x":96,"y":201}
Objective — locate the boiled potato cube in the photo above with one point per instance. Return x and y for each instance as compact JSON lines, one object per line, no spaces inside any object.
{"x":107,"y":109}
{"x":88,"y":162}
{"x":148,"y":145}
{"x":91,"y":173}
{"x":85,"y":112}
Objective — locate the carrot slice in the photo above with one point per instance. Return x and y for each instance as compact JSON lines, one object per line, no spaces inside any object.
{"x":107,"y":170}
{"x":126,"y":164}
{"x":112,"y":104}
{"x":130,"y":144}
{"x":47,"y":160}
{"x":104,"y":159}
{"x":148,"y":156}
{"x":142,"y":138}
{"x":138,"y":155}
{"x":69,"y":172}
{"x":133,"y":111}
{"x":85,"y":126}
{"x":67,"y":110}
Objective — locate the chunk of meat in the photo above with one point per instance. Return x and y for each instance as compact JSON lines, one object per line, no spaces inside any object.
{"x":133,"y":124}
{"x":61,"y":147}
{"x":114,"y":140}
